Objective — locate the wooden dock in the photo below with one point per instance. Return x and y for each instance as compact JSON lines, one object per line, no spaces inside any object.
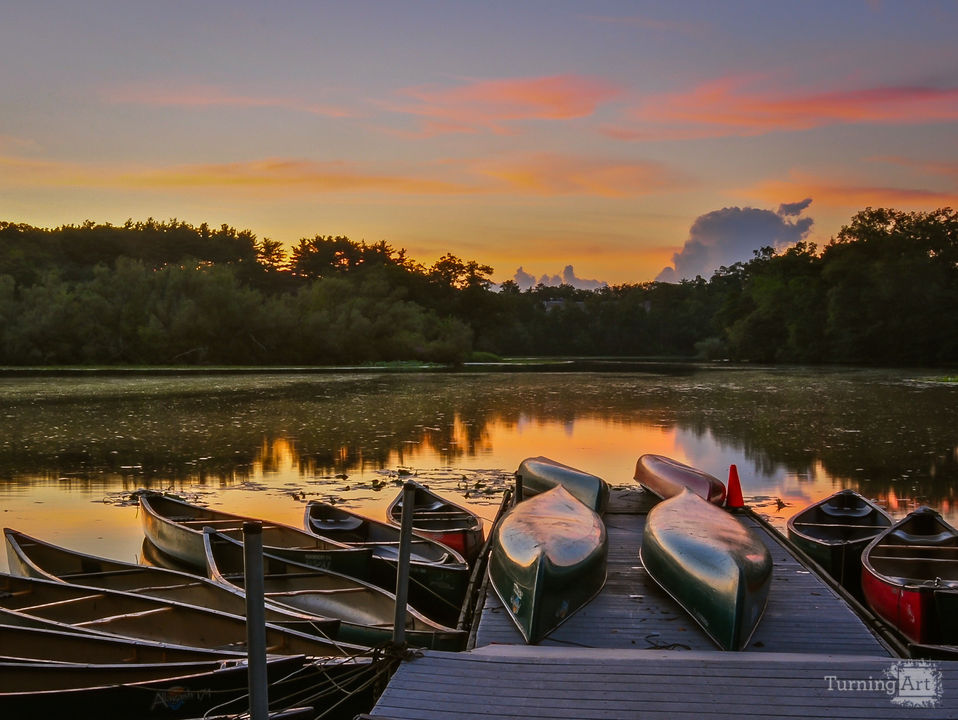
{"x":633,"y":653}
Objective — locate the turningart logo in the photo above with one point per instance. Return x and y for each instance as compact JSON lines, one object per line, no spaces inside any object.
{"x":909,"y":683}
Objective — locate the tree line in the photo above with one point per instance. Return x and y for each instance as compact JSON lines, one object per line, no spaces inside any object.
{"x":884,"y":290}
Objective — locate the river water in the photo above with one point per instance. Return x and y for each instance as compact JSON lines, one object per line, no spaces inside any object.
{"x":74,"y":447}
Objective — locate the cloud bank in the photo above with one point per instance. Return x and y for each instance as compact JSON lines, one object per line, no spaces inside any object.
{"x":526,"y":280}
{"x":730,"y":235}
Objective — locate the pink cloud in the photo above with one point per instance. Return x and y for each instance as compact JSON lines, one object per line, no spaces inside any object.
{"x":493,"y":104}
{"x":851,"y":194}
{"x":724,"y":107}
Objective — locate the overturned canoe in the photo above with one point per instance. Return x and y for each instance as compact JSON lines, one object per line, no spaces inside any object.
{"x":539,"y":474}
{"x":438,"y":575}
{"x":834,"y":531}
{"x":176,"y":528}
{"x":666,"y":478}
{"x":910,"y":577}
{"x":717,"y":569}
{"x":30,"y":557}
{"x":548,"y":559}
{"x":57,"y":605}
{"x":442,"y":520}
{"x":366,"y":613}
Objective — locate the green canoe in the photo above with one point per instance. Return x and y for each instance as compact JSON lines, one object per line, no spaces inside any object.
{"x":548,"y":559}
{"x":539,"y":474}
{"x":717,"y":569}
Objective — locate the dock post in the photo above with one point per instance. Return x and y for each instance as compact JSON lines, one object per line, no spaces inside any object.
{"x":255,"y":620}
{"x":402,"y":570}
{"x":518,"y":494}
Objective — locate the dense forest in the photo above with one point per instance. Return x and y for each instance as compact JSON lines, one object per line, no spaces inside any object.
{"x":883,"y":291}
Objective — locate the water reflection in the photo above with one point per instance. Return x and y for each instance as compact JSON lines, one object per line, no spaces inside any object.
{"x":73,"y":449}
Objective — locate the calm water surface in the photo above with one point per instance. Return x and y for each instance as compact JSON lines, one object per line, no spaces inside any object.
{"x":73,"y":449}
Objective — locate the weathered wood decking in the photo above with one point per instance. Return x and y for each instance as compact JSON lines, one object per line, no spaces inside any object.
{"x":601,"y":684}
{"x":633,"y":653}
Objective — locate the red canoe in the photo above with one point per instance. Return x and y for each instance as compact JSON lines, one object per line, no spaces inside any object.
{"x":910,"y":577}
{"x":441,"y":520}
{"x":667,"y":478}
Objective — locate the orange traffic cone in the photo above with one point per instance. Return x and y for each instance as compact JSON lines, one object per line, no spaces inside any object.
{"x":733,"y":498}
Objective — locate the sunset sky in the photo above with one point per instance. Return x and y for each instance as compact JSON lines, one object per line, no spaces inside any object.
{"x":617,"y":138}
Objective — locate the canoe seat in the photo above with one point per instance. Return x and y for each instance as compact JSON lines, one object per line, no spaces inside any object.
{"x":855,"y":512}
{"x":908,"y":538}
{"x":348,"y":523}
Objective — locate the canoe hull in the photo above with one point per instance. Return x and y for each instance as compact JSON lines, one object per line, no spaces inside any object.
{"x":718,"y":570}
{"x":548,"y":560}
{"x":835,"y":531}
{"x":910,"y":577}
{"x":666,"y":478}
{"x":540,"y":474}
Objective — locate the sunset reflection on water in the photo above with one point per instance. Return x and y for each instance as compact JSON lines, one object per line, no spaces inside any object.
{"x":263,"y":447}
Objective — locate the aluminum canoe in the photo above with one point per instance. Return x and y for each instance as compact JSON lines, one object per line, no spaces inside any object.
{"x":57,"y":605}
{"x":438,"y":575}
{"x":31,"y":557}
{"x":176,"y":528}
{"x":366,"y":612}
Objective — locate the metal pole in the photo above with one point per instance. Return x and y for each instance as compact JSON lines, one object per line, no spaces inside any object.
{"x":255,"y":620}
{"x":402,"y":570}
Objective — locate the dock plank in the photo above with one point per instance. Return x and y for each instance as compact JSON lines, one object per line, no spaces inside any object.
{"x":550,"y":682}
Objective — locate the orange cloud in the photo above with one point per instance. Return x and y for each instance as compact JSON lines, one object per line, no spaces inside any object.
{"x":493,"y":104}
{"x":208,"y":96}
{"x":271,"y":174}
{"x":851,"y":194}
{"x":550,"y":174}
{"x":724,"y":107}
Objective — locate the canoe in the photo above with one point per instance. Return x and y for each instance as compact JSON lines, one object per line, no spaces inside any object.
{"x":442,"y":520}
{"x":834,"y":531}
{"x":366,"y":612}
{"x":910,"y":577}
{"x":666,"y":478}
{"x":539,"y":474}
{"x":30,"y":557}
{"x":438,"y":575}
{"x":45,"y":644}
{"x":174,"y":690}
{"x":548,"y":560}
{"x":176,"y":528}
{"x":717,"y":569}
{"x":58,"y":605}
